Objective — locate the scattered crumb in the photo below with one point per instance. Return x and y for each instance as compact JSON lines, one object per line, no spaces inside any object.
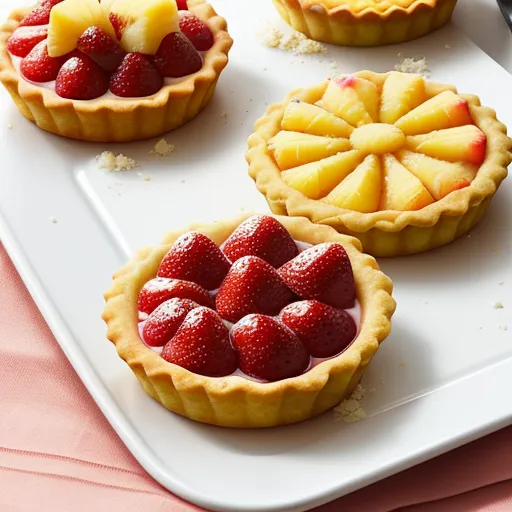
{"x":497,"y":305}
{"x":447,"y":46}
{"x":9,"y":126}
{"x":182,"y":181}
{"x":416,"y":65}
{"x":480,"y":328}
{"x":351,"y":410}
{"x":53,"y":220}
{"x":501,"y":283}
{"x":224,"y":116}
{"x":495,"y":249}
{"x":145,"y":177}
{"x":115,"y":163}
{"x":401,"y":363}
{"x":265,"y":69}
{"x":503,"y":327}
{"x":162,"y":148}
{"x":294,"y":42}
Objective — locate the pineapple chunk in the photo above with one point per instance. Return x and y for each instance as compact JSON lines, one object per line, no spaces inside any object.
{"x":401,"y":93}
{"x":315,"y":180}
{"x":355,"y":100}
{"x":292,"y":149}
{"x":361,"y":189}
{"x":438,"y":176}
{"x":466,"y":143}
{"x":402,"y":190}
{"x":143,"y":24}
{"x":304,"y":117}
{"x":69,"y":20}
{"x":446,"y":110}
{"x":377,"y":138}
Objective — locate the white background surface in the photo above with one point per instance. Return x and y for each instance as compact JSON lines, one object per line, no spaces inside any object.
{"x":441,"y":378}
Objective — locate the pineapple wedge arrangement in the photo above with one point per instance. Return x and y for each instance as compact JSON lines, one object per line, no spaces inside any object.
{"x":403,"y":164}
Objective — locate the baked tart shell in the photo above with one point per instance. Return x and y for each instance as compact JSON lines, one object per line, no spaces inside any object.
{"x":370,"y":26}
{"x":118,"y":119}
{"x":235,"y":401}
{"x":386,"y":233}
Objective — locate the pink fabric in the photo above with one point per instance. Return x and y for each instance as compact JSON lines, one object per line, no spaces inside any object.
{"x":58,"y":453}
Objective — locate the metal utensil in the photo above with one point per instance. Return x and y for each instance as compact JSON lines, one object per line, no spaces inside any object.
{"x":506,"y":9}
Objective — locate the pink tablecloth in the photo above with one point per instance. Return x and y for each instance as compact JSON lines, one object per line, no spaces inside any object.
{"x":58,"y":453}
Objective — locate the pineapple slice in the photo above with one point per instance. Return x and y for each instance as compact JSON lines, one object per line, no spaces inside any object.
{"x":446,"y":110}
{"x":304,"y":117}
{"x":402,"y":190}
{"x":438,"y":176}
{"x":466,"y":143}
{"x":361,"y":189}
{"x":315,"y":180}
{"x":143,"y":24}
{"x":292,"y":149}
{"x":401,"y":93}
{"x":355,"y":100}
{"x":69,"y":20}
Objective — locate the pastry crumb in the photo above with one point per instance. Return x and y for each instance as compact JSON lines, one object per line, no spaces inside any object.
{"x":401,"y":363}
{"x":162,"y":148}
{"x":115,"y":163}
{"x":416,"y":65}
{"x":294,"y":42}
{"x":182,"y":181}
{"x":53,"y":220}
{"x":501,"y":283}
{"x":9,"y":126}
{"x":503,"y":327}
{"x":497,"y":305}
{"x":447,"y":46}
{"x":351,"y":410}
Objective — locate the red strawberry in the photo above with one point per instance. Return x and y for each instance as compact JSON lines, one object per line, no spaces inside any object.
{"x":40,"y":15}
{"x":182,"y":5}
{"x":324,"y":330}
{"x":38,"y":66}
{"x":101,"y":48}
{"x":118,"y":24}
{"x":262,"y":236}
{"x":21,"y":43}
{"x":194,"y":257}
{"x":202,"y":345}
{"x":80,"y":78}
{"x":177,"y":57}
{"x":324,"y":273}
{"x":251,"y":286}
{"x":197,"y":32}
{"x":136,"y":77}
{"x":267,"y":349}
{"x":160,"y":289}
{"x":166,"y":319}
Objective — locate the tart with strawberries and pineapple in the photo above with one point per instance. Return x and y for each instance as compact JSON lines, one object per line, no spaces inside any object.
{"x":113,"y":70}
{"x":253,"y":322}
{"x":403,"y":164}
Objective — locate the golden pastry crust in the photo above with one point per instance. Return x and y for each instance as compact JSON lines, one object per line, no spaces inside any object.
{"x":119,"y":119}
{"x":235,"y":401}
{"x":386,"y":233}
{"x":365,"y":23}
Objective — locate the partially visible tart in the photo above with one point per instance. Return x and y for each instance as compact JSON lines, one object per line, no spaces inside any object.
{"x":365,"y":23}
{"x":403,"y":164}
{"x":253,"y":322}
{"x":115,"y":70}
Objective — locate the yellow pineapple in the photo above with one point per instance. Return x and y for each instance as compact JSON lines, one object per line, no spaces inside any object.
{"x":377,"y":138}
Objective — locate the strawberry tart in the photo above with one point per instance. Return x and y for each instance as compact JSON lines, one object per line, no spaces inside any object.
{"x":403,"y":164}
{"x":113,"y":70}
{"x":254,"y":322}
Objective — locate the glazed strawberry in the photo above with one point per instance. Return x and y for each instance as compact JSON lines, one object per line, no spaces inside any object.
{"x":162,"y":324}
{"x":21,"y":43}
{"x":118,"y":24}
{"x":136,"y":77}
{"x":101,"y":48}
{"x":80,"y":78}
{"x":197,"y":32}
{"x":38,"y":66}
{"x":194,"y":257}
{"x":40,"y":15}
{"x":267,"y":349}
{"x":324,"y":273}
{"x":182,"y":5}
{"x":251,"y":286}
{"x":176,"y":56}
{"x":160,"y":289}
{"x":202,"y":345}
{"x":262,"y":236}
{"x":324,"y":330}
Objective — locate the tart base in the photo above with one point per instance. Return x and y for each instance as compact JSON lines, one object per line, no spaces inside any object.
{"x":368,"y":27}
{"x":235,"y":401}
{"x":112,"y":119}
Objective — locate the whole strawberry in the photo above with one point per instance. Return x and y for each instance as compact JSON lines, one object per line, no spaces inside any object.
{"x":40,"y":15}
{"x":268,"y":350}
{"x":162,"y":324}
{"x":22,"y":43}
{"x":80,"y":78}
{"x":324,"y":330}
{"x":176,"y":57}
{"x":194,"y":257}
{"x":182,"y":5}
{"x":251,"y":286}
{"x":197,"y":32}
{"x":136,"y":77}
{"x":323,"y":273}
{"x":38,"y":66}
{"x":101,"y":48}
{"x":160,"y":289}
{"x":202,"y":345}
{"x":262,"y":236}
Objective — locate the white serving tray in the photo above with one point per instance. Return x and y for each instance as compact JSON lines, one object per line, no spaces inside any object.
{"x":441,"y":379}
